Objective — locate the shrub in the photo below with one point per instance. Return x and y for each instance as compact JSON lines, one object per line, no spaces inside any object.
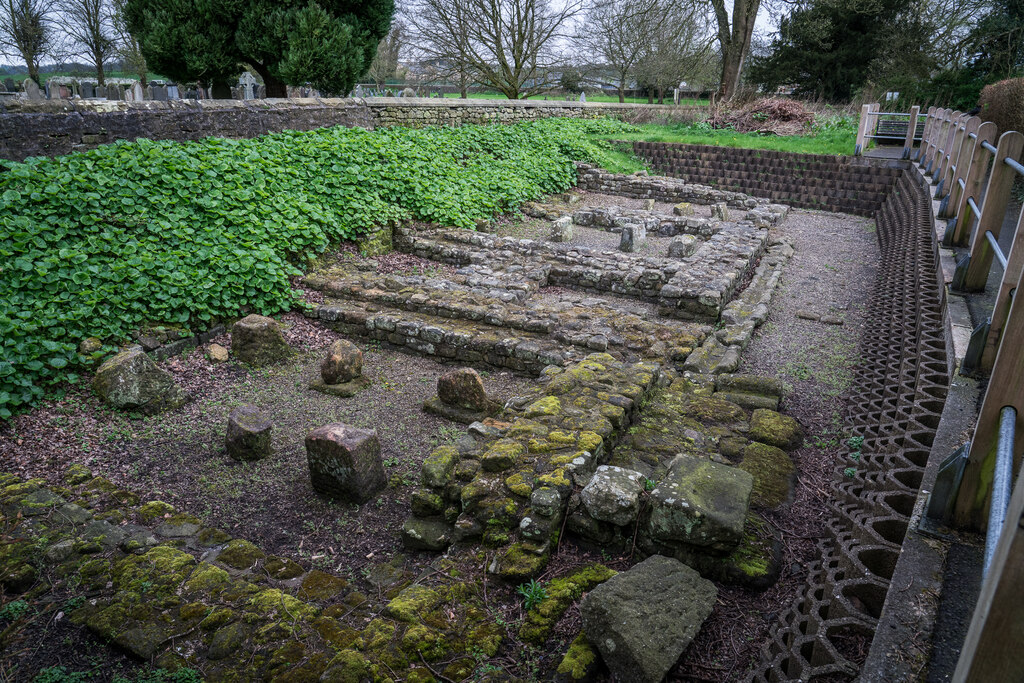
{"x":100,"y":243}
{"x":1001,"y":104}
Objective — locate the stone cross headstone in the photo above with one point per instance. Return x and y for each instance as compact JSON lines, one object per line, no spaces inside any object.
{"x":32,"y":90}
{"x":583,"y":96}
{"x":88,"y":90}
{"x":247,"y":81}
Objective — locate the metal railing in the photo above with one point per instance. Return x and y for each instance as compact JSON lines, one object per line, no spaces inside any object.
{"x":871,"y":121}
{"x":973,"y":174}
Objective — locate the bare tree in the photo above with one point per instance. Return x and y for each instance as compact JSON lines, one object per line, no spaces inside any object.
{"x":26,"y":31}
{"x":385,"y":62}
{"x":734,"y":40}
{"x":127,"y":46}
{"x":508,"y":45}
{"x":88,"y":26}
{"x":616,"y":31}
{"x":678,"y":42}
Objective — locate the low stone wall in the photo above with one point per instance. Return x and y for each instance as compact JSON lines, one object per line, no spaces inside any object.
{"x":56,"y":127}
{"x":848,"y":184}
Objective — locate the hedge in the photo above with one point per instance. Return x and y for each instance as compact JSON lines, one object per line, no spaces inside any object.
{"x":1003,"y":104}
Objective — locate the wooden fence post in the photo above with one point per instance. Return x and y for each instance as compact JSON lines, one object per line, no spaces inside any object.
{"x":926,"y":137}
{"x":945,"y":143}
{"x":992,"y":650}
{"x":908,"y":144}
{"x":933,"y":147}
{"x":997,"y":196}
{"x":862,"y":129}
{"x":1005,"y":388}
{"x":1001,"y":308}
{"x":973,"y":184}
{"x":960,"y":169}
{"x":948,"y":167}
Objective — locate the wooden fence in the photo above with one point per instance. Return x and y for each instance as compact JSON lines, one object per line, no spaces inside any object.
{"x":973,"y":172}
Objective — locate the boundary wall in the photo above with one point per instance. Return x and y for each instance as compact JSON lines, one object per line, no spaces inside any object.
{"x":56,"y":127}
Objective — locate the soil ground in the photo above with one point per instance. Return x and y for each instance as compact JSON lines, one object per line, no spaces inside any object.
{"x":179,"y":457}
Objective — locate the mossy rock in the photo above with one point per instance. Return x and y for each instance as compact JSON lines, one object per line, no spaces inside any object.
{"x":503,"y":454}
{"x":412,"y":603}
{"x":549,"y":405}
{"x":318,"y":585}
{"x":775,"y":429}
{"x":438,"y":466}
{"x":348,"y":666}
{"x":76,"y":474}
{"x":154,"y":510}
{"x":581,"y":662}
{"x":240,"y":554}
{"x":773,"y":473}
{"x":520,"y":562}
{"x":561,"y":594}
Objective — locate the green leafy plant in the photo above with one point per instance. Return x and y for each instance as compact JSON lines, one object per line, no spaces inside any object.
{"x":850,"y":471}
{"x":15,"y":610}
{"x":855,"y":442}
{"x":533,"y":593}
{"x":100,"y":243}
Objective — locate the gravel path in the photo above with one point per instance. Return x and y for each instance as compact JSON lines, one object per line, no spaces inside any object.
{"x":829,"y":277}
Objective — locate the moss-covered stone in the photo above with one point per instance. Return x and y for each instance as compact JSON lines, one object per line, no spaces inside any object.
{"x":580,"y":662}
{"x":76,"y":474}
{"x":561,"y":594}
{"x":412,"y":603}
{"x":208,"y":537}
{"x":773,"y":473}
{"x":549,"y":405}
{"x":520,"y":562}
{"x":438,"y":466}
{"x":775,"y":429}
{"x":318,"y":585}
{"x":206,"y":579}
{"x":348,"y":666}
{"x":153,"y":510}
{"x":521,"y":483}
{"x":502,"y":455}
{"x":240,"y":554}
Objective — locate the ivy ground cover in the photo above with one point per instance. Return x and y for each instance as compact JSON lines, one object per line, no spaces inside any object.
{"x":100,"y":243}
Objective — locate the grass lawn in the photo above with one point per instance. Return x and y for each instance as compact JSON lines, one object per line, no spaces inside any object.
{"x":832,"y":136}
{"x":590,"y":98}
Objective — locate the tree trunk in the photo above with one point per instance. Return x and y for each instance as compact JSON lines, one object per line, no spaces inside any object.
{"x":100,"y":77}
{"x":734,"y":42}
{"x":275,"y":87}
{"x":33,"y":70}
{"x":661,"y":95}
{"x":622,"y":92}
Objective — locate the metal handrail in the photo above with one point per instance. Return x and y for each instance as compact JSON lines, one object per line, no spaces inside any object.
{"x":1002,"y":481}
{"x":989,"y":146}
{"x":974,"y":207}
{"x":996,"y":250}
{"x":1015,"y":165}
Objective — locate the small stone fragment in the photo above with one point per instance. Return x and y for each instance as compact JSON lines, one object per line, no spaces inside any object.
{"x":89,"y":346}
{"x":682,"y":246}
{"x":426,"y":534}
{"x":561,"y":231}
{"x":643,"y":619}
{"x":463,"y":388}
{"x":682,"y":209}
{"x":248,"y":436}
{"x":613,"y":495}
{"x":832,"y":320}
{"x":344,"y":363}
{"x":720,"y":211}
{"x":258,"y":340}
{"x":648,"y":205}
{"x":217,"y":353}
{"x":344,"y":462}
{"x":132,"y":381}
{"x":807,"y":315}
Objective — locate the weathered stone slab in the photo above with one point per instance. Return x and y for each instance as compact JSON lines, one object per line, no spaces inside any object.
{"x":643,"y":619}
{"x":344,"y":462}
{"x":344,"y":363}
{"x":775,"y":429}
{"x":700,"y":502}
{"x":132,"y":381}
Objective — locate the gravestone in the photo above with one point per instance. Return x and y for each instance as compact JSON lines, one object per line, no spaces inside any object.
{"x":261,"y":92}
{"x":88,"y":90}
{"x":358,"y":92}
{"x":247,"y":81}
{"x":583,"y":97}
{"x":408,"y":92}
{"x":9,"y":84}
{"x":136,"y":93}
{"x":32,"y":90}
{"x":172,"y":92}
{"x":159,"y":93}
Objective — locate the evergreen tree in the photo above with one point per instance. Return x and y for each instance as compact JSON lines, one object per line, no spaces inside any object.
{"x":326,"y":43}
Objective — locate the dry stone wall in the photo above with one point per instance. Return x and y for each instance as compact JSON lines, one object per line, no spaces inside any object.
{"x":56,"y":127}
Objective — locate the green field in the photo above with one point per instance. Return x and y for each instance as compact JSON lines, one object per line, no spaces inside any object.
{"x":835,"y":135}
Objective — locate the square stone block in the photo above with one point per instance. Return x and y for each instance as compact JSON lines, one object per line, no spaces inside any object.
{"x":344,"y":462}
